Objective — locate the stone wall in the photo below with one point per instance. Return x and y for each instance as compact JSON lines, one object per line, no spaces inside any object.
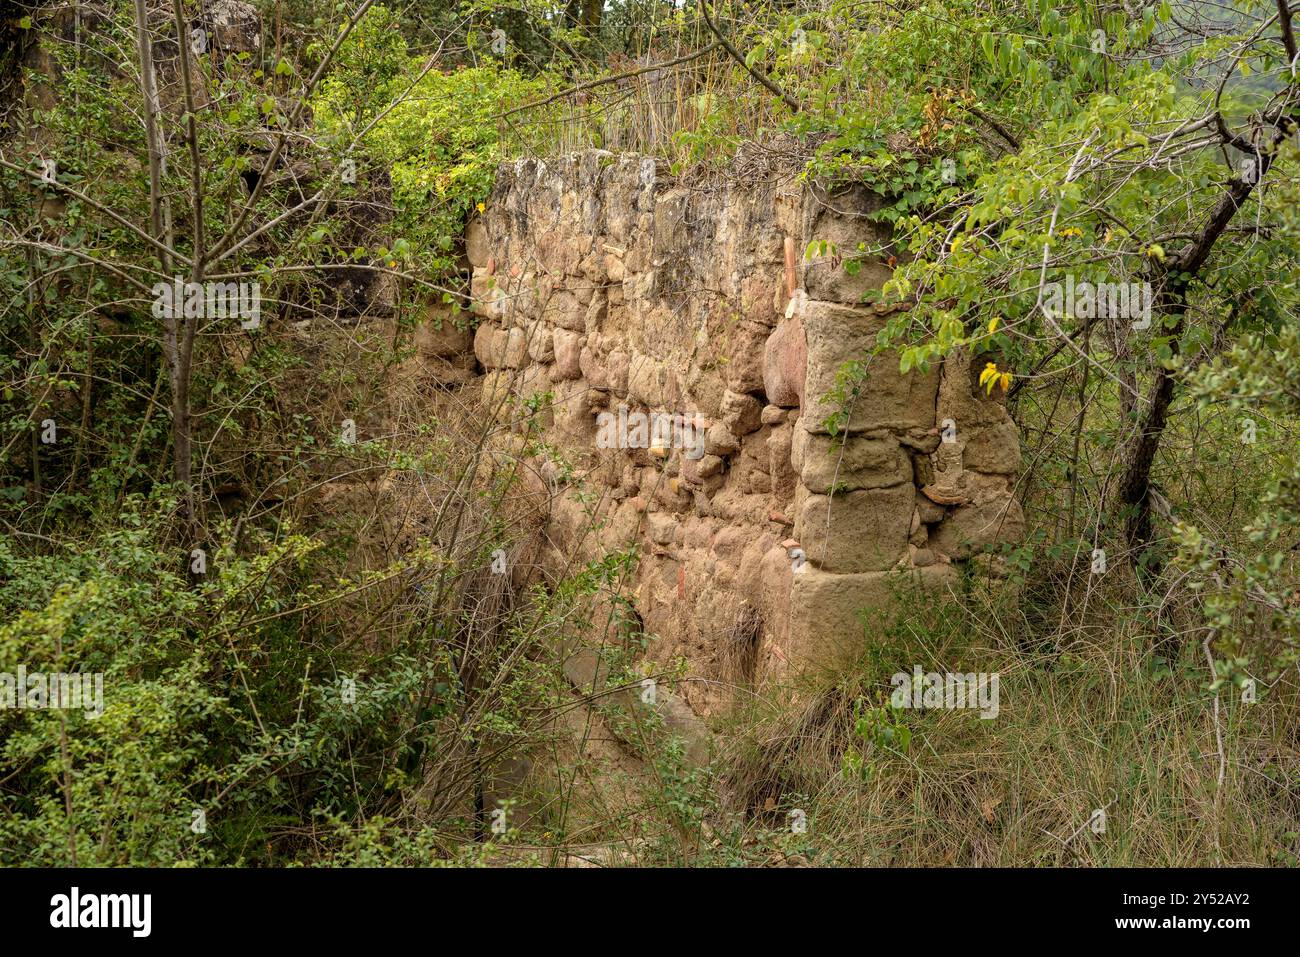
{"x":605,"y":282}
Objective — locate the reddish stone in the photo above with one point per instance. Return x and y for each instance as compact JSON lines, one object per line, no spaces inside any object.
{"x":785,"y":364}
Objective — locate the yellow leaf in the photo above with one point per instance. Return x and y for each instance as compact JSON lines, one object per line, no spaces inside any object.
{"x":993,"y":324}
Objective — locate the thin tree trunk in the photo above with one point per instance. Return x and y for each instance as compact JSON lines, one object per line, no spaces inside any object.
{"x":1133,"y":492}
{"x":160,"y":220}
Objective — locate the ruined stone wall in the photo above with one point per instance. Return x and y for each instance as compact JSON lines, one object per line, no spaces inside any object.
{"x":604,"y":281}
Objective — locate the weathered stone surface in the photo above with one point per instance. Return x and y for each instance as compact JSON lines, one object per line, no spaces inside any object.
{"x":834,"y":617}
{"x":236,"y":26}
{"x":963,"y":400}
{"x":890,"y":399}
{"x":697,"y":470}
{"x":606,"y":283}
{"x":645,"y":381}
{"x":993,"y":448}
{"x":853,"y":463}
{"x":565,"y":310}
{"x":443,"y":336}
{"x":785,"y":364}
{"x":516,"y":349}
{"x":593,"y":366}
{"x":741,"y":412}
{"x":720,"y":440}
{"x":477,"y":248}
{"x":486,"y":297}
{"x":858,"y":531}
{"x":490,"y":345}
{"x":928,"y":510}
{"x":745,"y":357}
{"x":541,"y":345}
{"x":782,"y":472}
{"x":974,"y":527}
{"x":836,"y":227}
{"x":619,"y":366}
{"x":568,"y":350}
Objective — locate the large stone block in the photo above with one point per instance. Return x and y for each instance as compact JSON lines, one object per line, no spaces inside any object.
{"x":516,"y":349}
{"x":443,"y":336}
{"x":852,"y":463}
{"x":962,"y":399}
{"x":477,"y":250}
{"x":836,"y":229}
{"x":785,"y":364}
{"x":487,"y":298}
{"x":490,"y":345}
{"x":779,"y":445}
{"x":834,"y":617}
{"x":857,"y":531}
{"x":991,"y":448}
{"x":745,"y":355}
{"x":562,"y":308}
{"x":568,"y":351}
{"x":975,"y":527}
{"x":889,"y":399}
{"x":541,"y":344}
{"x":645,"y":381}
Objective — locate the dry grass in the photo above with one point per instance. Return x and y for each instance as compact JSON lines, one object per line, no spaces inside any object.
{"x":1084,"y":724}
